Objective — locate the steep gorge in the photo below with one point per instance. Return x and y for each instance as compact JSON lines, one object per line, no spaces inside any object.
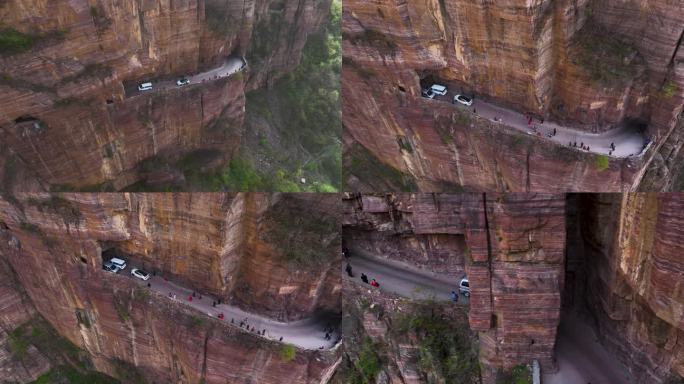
{"x":529,"y":259}
{"x":217,"y":244}
{"x":64,"y":81}
{"x":593,"y":65}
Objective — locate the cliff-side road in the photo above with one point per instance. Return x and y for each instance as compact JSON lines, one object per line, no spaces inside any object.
{"x":306,"y":334}
{"x":627,"y":141}
{"x":229,"y":67}
{"x":403,"y":280}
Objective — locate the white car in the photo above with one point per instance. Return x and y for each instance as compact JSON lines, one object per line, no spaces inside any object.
{"x":144,"y":86}
{"x":140,"y":274}
{"x":464,"y":286}
{"x":465,"y":100}
{"x":121,"y":264}
{"x":182,"y":81}
{"x":439,"y":89}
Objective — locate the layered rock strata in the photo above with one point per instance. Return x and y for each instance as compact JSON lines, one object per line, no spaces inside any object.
{"x":548,"y":58}
{"x":56,"y":245}
{"x":511,"y":249}
{"x":65,"y":114}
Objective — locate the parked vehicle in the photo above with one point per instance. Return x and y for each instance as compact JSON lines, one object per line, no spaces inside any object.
{"x":427,"y":93}
{"x":110,"y":267}
{"x":465,"y":100}
{"x":182,"y":81}
{"x":119,"y":263}
{"x":144,"y":86}
{"x":439,"y":89}
{"x":140,"y":274}
{"x":464,"y":286}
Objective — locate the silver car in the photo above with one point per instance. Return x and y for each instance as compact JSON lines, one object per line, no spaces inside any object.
{"x":464,"y":286}
{"x":110,"y":267}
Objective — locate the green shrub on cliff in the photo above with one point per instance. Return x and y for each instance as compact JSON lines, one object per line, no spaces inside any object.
{"x":445,"y":344}
{"x":288,"y":352}
{"x":669,"y":89}
{"x":602,"y":162}
{"x":520,"y":374}
{"x":13,"y":41}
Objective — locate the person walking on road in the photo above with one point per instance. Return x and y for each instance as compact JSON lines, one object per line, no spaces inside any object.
{"x":374,"y":283}
{"x":364,"y":278}
{"x":454,"y":296}
{"x":349,"y":270}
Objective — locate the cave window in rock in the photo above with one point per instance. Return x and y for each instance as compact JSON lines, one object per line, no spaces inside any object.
{"x":83,"y":260}
{"x":382,"y":15}
{"x":30,"y":124}
{"x":25,"y":119}
{"x":110,"y":101}
{"x":401,"y":88}
{"x":3,"y":225}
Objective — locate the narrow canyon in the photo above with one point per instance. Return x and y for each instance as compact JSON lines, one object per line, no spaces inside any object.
{"x":536,"y":264}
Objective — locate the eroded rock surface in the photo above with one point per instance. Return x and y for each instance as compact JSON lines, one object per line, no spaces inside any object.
{"x":64,"y":111}
{"x":207,"y":242}
{"x":593,"y":65}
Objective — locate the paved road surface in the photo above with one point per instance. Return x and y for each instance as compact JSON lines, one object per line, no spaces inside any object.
{"x":230,"y":66}
{"x":307,"y":334}
{"x":582,"y":359}
{"x":627,"y":141}
{"x":402,"y":279}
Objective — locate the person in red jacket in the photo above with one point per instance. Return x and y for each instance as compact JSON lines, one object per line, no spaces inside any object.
{"x":374,"y":283}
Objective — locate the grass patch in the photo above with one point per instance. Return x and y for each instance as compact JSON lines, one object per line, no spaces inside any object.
{"x":669,"y":89}
{"x":13,"y":41}
{"x":602,"y":162}
{"x":520,"y":374}
{"x":368,"y":364}
{"x":18,"y":344}
{"x":445,"y":345}
{"x":288,"y":352}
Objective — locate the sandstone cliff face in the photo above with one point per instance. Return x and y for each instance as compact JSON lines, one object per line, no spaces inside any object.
{"x":64,"y":111}
{"x":203,"y":241}
{"x":510,"y":246}
{"x":634,"y":273}
{"x":527,"y":56}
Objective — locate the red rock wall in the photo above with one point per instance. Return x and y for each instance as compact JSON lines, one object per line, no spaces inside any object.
{"x":634,"y":270}
{"x":198,"y":239}
{"x":513,"y":256}
{"x":519,"y":54}
{"x":68,"y":83}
